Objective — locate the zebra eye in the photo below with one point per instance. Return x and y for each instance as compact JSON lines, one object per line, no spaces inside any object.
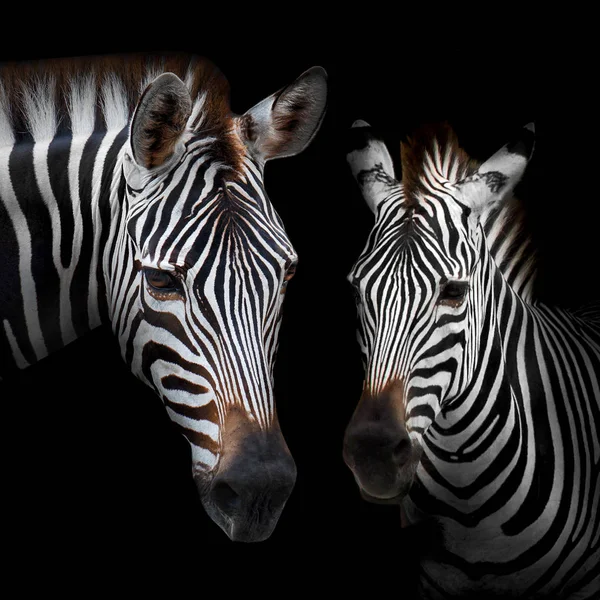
{"x":162,"y":281}
{"x":288,"y":275}
{"x":454,"y":292}
{"x":355,"y":291}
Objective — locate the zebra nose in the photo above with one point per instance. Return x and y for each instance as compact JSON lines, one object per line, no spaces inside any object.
{"x":228,"y":501}
{"x":376,"y":441}
{"x":378,"y":453}
{"x":251,"y":491}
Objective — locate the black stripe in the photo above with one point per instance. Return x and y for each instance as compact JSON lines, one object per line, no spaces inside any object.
{"x":154,"y":351}
{"x":11,"y":300}
{"x":174,"y":382}
{"x":45,"y":275}
{"x":208,"y":412}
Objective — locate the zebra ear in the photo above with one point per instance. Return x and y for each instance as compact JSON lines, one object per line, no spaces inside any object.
{"x":498,"y":175}
{"x":159,"y":119}
{"x":371,"y":165}
{"x":285,"y":123}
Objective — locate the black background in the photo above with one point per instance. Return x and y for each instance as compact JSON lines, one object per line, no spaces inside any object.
{"x":94,"y":475}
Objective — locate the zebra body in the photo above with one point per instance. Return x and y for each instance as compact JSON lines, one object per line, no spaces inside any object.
{"x":480,"y":406}
{"x":131,"y":195}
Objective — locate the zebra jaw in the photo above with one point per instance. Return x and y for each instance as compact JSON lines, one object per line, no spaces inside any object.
{"x":395,"y":493}
{"x":376,"y":500}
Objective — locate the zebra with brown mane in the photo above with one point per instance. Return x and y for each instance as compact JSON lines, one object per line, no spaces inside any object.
{"x":131,"y":195}
{"x":480,"y":407}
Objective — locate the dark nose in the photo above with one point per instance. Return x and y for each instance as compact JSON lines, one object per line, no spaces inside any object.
{"x":378,"y":450}
{"x":372,"y":442}
{"x":251,"y":489}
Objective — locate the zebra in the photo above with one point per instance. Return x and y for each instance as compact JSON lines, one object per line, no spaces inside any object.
{"x":479,"y":413}
{"x":132,"y":196}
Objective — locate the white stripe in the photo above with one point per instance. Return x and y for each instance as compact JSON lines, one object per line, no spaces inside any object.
{"x":16,"y":351}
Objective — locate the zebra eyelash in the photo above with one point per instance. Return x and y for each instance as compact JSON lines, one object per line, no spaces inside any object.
{"x":354,"y":286}
{"x":290,"y":272}
{"x":453,"y":292}
{"x":162,"y":284}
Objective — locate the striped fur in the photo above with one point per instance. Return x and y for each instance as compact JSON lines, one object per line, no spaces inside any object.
{"x":499,"y":393}
{"x":85,"y":227}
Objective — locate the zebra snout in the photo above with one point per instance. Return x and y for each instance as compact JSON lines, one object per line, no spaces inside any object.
{"x":250,"y":490}
{"x":380,"y":455}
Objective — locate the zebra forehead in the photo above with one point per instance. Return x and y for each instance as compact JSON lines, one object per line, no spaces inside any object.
{"x":222,"y":235}
{"x":183,"y":221}
{"x":426,"y":223}
{"x":418,"y":242}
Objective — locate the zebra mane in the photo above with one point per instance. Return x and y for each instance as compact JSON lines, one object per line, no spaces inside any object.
{"x":80,"y":95}
{"x":509,"y":239}
{"x":432,"y":146}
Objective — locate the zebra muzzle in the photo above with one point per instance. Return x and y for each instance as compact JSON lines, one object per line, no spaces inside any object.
{"x":378,"y":449}
{"x":254,"y":479}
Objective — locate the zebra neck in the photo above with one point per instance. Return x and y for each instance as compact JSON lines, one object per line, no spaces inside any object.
{"x":511,"y":246}
{"x":58,"y":198}
{"x":510,"y":322}
{"x":494,"y":353}
{"x":478,"y":425}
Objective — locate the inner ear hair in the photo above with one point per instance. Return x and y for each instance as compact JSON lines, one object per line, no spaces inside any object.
{"x":298,"y":111}
{"x":284,"y":123}
{"x":159,"y":120}
{"x":295,"y":112}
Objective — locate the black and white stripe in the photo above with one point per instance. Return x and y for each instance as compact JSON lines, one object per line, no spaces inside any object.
{"x":115,"y":171}
{"x":498,"y":393}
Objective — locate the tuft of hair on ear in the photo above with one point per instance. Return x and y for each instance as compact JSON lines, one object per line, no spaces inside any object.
{"x":159,"y":120}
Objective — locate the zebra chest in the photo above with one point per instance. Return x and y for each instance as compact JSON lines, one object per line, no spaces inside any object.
{"x":479,"y":581}
{"x":474,"y":546}
{"x":482,"y":561}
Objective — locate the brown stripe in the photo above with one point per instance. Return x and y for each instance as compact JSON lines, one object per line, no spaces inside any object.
{"x":173,"y":382}
{"x":208,"y":412}
{"x":199,"y":439}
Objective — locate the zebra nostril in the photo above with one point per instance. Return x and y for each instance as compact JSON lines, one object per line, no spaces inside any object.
{"x":402,"y":452}
{"x":225,"y":497}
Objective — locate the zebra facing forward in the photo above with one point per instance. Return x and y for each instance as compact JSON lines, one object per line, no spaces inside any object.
{"x":131,"y":195}
{"x":480,"y":407}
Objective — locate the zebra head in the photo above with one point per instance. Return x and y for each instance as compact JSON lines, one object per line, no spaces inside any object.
{"x":199,"y":311}
{"x":421,"y":290}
